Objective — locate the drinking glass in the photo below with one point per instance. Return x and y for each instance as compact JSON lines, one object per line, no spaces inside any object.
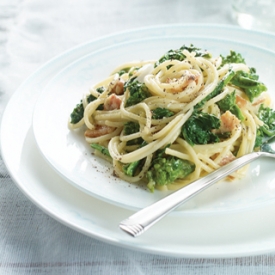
{"x":255,"y":14}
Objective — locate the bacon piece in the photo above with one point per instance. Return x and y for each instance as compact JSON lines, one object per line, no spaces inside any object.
{"x":118,"y":88}
{"x":229,"y":122}
{"x":240,"y":101}
{"x":259,"y":101}
{"x":179,"y":84}
{"x":228,"y":158}
{"x":112,"y":103}
{"x":98,"y":131}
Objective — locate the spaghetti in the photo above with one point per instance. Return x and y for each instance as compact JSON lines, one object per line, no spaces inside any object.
{"x":186,"y":111}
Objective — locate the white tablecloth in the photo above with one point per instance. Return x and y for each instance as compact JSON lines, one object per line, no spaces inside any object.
{"x":32,"y":32}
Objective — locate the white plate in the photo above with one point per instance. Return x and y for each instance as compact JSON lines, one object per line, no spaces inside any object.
{"x":70,"y":155}
{"x":236,"y":234}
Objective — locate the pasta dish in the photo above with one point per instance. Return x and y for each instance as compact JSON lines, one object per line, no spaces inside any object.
{"x":170,"y":121}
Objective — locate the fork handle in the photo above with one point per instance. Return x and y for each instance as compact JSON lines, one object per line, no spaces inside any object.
{"x":139,"y":222}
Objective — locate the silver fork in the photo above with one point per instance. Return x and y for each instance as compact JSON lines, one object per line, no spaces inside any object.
{"x":138,"y":223}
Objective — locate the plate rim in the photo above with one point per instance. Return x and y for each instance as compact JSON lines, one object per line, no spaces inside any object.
{"x":245,"y":252}
{"x":112,"y":200}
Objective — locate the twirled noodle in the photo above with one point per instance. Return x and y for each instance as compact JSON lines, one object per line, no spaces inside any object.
{"x":179,"y":87}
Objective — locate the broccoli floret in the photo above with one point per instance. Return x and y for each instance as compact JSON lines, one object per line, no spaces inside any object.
{"x":229,"y":103}
{"x":178,"y":54}
{"x":267,"y":115}
{"x":78,"y":111}
{"x":233,"y":57}
{"x":165,"y":170}
{"x":249,"y":83}
{"x":198,"y":129}
{"x":138,"y":92}
{"x":160,"y":113}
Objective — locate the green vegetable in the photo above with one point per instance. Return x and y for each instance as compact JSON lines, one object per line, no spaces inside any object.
{"x":198,"y":129}
{"x":249,"y":83}
{"x":130,"y":168}
{"x":138,"y":92}
{"x":178,"y":55}
{"x":100,"y":90}
{"x":78,"y":111}
{"x":165,"y":170}
{"x":160,"y":113}
{"x":267,"y":115}
{"x":124,"y":71}
{"x":103,"y":150}
{"x":233,"y":57}
{"x":222,"y":83}
{"x":131,"y":127}
{"x":229,"y":103}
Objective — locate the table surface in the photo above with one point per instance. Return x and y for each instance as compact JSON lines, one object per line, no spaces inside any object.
{"x":31,"y":33}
